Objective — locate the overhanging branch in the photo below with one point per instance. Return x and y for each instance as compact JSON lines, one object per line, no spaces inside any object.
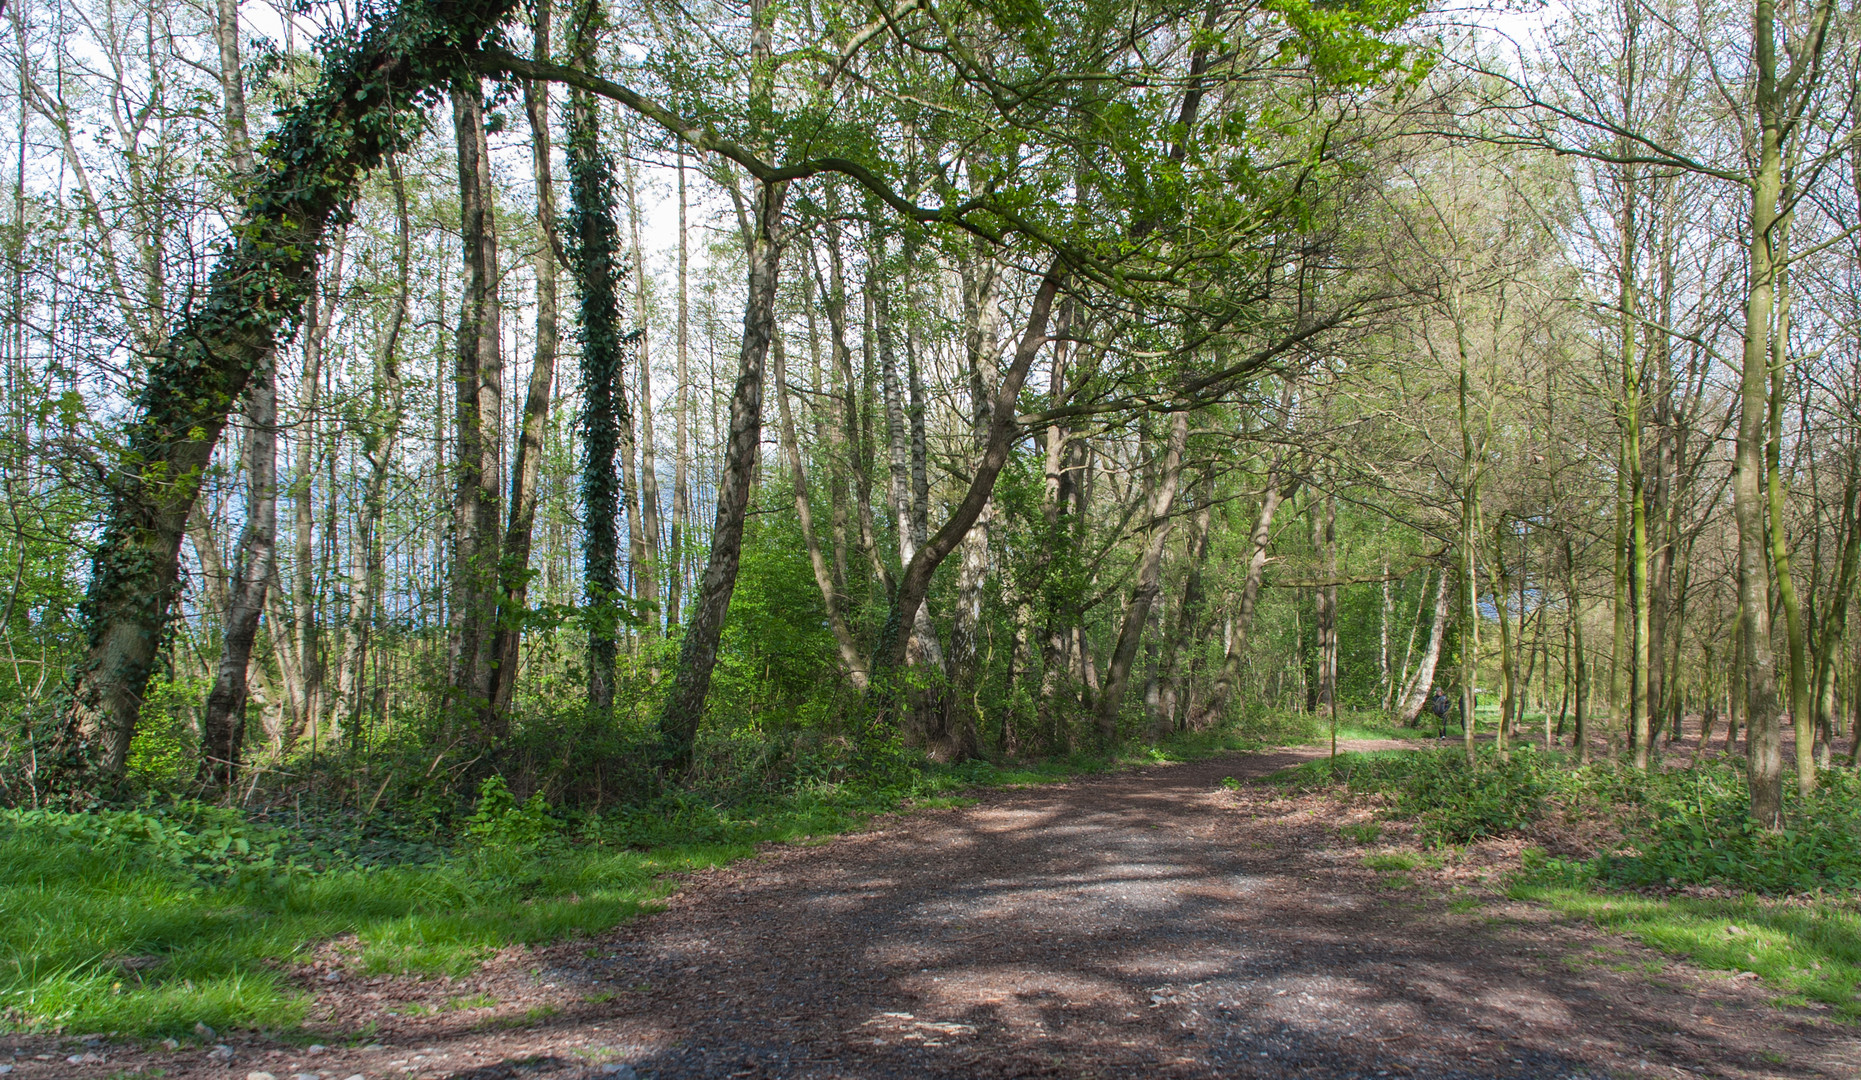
{"x":706,"y":139}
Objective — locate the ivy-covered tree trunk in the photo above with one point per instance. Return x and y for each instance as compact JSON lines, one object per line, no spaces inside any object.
{"x":593,"y":254}
{"x":311,"y":168}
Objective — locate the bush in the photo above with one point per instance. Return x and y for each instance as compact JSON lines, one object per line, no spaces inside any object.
{"x":1682,"y":827}
{"x":199,"y":841}
{"x":1694,"y":830}
{"x":1450,"y":801}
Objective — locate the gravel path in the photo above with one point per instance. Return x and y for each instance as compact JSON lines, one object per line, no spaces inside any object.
{"x":1152,"y":923}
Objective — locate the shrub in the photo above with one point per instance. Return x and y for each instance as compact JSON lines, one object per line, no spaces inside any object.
{"x":1681,"y":827}
{"x":1451,"y":801}
{"x":1694,"y":830}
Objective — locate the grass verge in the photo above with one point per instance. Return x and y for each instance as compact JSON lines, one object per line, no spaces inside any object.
{"x":1668,"y":857}
{"x":1808,"y":950}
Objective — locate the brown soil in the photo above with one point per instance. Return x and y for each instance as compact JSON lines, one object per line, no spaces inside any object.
{"x":1153,"y":923}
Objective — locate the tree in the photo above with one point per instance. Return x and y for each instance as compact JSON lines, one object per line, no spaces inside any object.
{"x":309,"y":171}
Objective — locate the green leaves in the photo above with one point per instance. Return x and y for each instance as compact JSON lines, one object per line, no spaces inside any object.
{"x":1347,"y":42}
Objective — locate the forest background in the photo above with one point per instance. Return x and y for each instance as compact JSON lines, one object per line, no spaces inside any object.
{"x":583,"y":412}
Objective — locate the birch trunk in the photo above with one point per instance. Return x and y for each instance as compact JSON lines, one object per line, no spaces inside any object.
{"x":1415,"y":691}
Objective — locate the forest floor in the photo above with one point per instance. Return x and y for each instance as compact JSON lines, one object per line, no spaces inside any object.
{"x":1151,"y":923}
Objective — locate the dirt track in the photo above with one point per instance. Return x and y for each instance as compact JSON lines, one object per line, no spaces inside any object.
{"x":1151,"y":923}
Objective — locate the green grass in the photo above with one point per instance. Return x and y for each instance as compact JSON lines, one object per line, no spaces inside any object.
{"x":1811,"y":952}
{"x":105,"y":940}
{"x":1362,"y":832}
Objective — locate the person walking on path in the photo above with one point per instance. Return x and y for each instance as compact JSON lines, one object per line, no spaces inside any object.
{"x":1439,"y":704}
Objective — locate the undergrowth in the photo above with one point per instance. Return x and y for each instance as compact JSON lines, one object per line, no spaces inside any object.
{"x":1687,"y":872}
{"x":1683,"y":827}
{"x":1449,"y":802}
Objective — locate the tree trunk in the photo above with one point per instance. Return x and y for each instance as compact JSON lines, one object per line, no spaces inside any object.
{"x":1280,"y":486}
{"x":379,"y":447}
{"x":1415,"y":691}
{"x":1399,"y":681}
{"x":649,"y":471}
{"x":223,"y":721}
{"x":850,"y":658}
{"x":1382,"y":638}
{"x":307,"y":632}
{"x":1580,"y":737}
{"x":1835,"y":618}
{"x":920,"y":441}
{"x":1633,"y":522}
{"x":1056,"y":496}
{"x":1328,"y":626}
{"x":478,"y":379}
{"x":914,"y":582}
{"x":684,"y":705}
{"x":982,"y":322}
{"x":1508,"y":670}
{"x":594,"y":249}
{"x":1188,"y":614}
{"x":514,"y":571}
{"x":624,"y":453}
{"x":909,"y":491}
{"x":222,"y":725}
{"x":232,"y":85}
{"x":1763,"y":744}
{"x":1149,"y":581}
{"x":1795,"y":635}
{"x":1470,"y":476}
{"x":897,"y":441}
{"x":830,"y":424}
{"x":681,"y":474}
